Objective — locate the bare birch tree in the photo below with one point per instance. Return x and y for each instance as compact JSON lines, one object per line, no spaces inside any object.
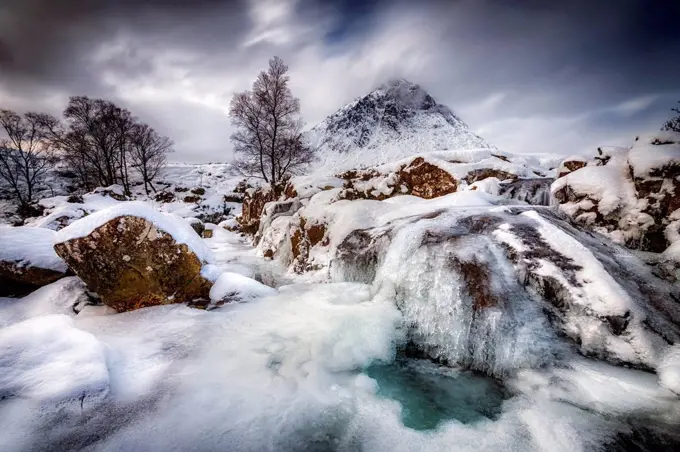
{"x":148,"y":153}
{"x":25,"y":155}
{"x":268,"y":142}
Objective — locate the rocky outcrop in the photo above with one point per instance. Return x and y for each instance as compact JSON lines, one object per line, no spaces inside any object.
{"x":131,"y":264}
{"x":254,"y":201}
{"x":632,"y":196}
{"x":497,"y":272}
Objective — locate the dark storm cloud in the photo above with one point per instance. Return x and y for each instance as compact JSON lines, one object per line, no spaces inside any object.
{"x":522,"y":72}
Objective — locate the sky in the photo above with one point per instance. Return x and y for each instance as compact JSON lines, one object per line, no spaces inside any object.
{"x":527,"y":75}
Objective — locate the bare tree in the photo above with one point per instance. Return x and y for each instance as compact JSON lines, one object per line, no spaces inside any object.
{"x":673,"y":124}
{"x":148,"y":153}
{"x":98,"y":139}
{"x":268,"y":142}
{"x":25,"y":155}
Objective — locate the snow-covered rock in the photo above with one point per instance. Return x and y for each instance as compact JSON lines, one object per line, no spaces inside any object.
{"x":134,"y":256}
{"x":27,"y":259}
{"x":631,"y":196}
{"x":476,"y":286}
{"x":232,"y":287}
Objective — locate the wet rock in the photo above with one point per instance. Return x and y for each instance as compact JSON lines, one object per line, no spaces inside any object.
{"x":131,"y":264}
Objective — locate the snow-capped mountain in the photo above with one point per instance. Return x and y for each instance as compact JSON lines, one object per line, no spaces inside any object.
{"x":394,"y":121}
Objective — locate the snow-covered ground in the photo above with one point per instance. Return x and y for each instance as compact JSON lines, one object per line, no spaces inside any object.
{"x":287,"y":371}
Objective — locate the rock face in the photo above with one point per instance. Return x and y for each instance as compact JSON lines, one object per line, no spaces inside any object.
{"x":632,"y":196}
{"x":132,"y":264}
{"x":253,"y":204}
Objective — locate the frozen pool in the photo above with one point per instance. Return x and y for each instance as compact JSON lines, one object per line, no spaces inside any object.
{"x":431,"y":394}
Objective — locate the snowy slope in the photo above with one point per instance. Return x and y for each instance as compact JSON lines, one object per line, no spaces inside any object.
{"x":397,"y":120}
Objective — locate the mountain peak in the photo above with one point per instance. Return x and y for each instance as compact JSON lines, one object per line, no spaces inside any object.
{"x":408,"y":94}
{"x":396,"y":120}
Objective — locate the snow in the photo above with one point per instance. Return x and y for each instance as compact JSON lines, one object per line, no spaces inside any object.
{"x":654,"y":152}
{"x":287,"y":371}
{"x":60,"y":297}
{"x":30,"y":247}
{"x":235,"y":287}
{"x":178,"y":228}
{"x":609,"y":185}
{"x":669,"y":369}
{"x":48,"y":359}
{"x":392,"y":122}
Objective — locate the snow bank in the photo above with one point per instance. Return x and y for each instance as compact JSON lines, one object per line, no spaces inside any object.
{"x":48,"y":359}
{"x":236,"y":287}
{"x":654,"y":152}
{"x":30,"y":247}
{"x":177,"y":227}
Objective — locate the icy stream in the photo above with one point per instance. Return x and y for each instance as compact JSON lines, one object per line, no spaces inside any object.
{"x":312,"y":368}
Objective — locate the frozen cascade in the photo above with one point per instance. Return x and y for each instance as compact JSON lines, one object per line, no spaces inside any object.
{"x":532,"y":191}
{"x":461,"y":300}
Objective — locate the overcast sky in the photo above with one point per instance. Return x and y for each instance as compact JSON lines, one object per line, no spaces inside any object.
{"x":527,"y":75}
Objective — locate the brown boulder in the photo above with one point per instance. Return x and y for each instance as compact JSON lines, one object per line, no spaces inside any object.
{"x":426,"y":180}
{"x":132,"y":264}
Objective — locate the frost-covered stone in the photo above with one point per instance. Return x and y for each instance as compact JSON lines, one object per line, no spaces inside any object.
{"x":133,"y":256}
{"x":27,"y":259}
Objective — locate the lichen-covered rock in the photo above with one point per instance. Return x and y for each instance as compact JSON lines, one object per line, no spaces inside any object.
{"x":132,"y":264}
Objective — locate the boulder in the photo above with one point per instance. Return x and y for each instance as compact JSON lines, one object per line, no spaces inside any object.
{"x":132,"y":262}
{"x":27,"y":260}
